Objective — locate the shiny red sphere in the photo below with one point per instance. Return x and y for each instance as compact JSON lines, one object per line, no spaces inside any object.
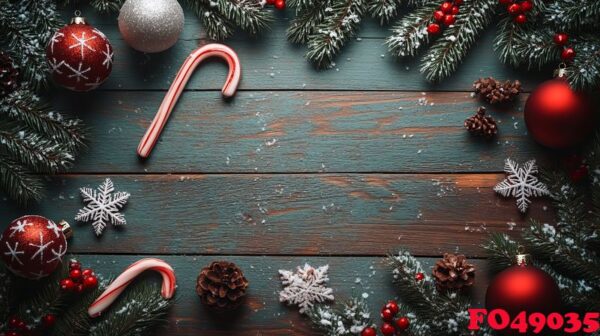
{"x":526,"y":6}
{"x":433,"y":29}
{"x":387,"y":329}
{"x":32,"y":246}
{"x":80,"y":57}
{"x":87,"y":272}
{"x":449,"y":20}
{"x":419,"y":276}
{"x":280,"y":4}
{"x":446,"y":7}
{"x":90,"y":282}
{"x":67,"y":284}
{"x":438,"y":15}
{"x":521,"y":19}
{"x":369,"y":331}
{"x":523,"y":288}
{"x":455,"y":10}
{"x":561,"y":39}
{"x":75,"y":274}
{"x":48,"y":321}
{"x":558,"y":117}
{"x":392,"y":306}
{"x":403,"y":323}
{"x":387,"y":314}
{"x":568,"y":54}
{"x":514,"y":9}
{"x":458,"y":2}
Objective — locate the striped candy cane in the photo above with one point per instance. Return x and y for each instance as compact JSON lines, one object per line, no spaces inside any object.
{"x":184,"y":74}
{"x":118,"y":286}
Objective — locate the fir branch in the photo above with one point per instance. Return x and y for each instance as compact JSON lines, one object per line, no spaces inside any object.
{"x":17,"y":183}
{"x":309,"y":15}
{"x":139,"y":310}
{"x":75,"y":320}
{"x":575,"y":293}
{"x":7,"y":291}
{"x":447,"y":52}
{"x":410,"y":33}
{"x":107,"y":6}
{"x":574,"y":14}
{"x":502,"y":251}
{"x":347,"y":320}
{"x":340,"y":25}
{"x":584,"y":72}
{"x":384,"y":10}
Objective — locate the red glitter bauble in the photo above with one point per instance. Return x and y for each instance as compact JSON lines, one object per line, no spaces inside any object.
{"x":558,"y":117}
{"x":80,"y":56}
{"x":33,"y":246}
{"x":523,"y":288}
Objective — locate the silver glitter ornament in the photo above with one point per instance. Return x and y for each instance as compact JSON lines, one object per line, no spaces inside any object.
{"x":151,"y":25}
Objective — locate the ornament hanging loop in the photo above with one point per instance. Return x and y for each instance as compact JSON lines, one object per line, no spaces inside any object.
{"x":562,"y":71}
{"x":77,"y":18}
{"x":522,"y":258}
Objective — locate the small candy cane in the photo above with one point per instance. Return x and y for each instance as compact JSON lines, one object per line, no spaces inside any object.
{"x":184,"y":74}
{"x":118,"y":286}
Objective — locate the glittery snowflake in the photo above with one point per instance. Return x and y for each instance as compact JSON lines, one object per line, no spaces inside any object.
{"x":305,"y":287}
{"x":103,"y":206}
{"x":521,"y":183}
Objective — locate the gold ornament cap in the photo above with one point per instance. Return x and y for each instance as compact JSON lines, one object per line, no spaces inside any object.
{"x":66,"y":228}
{"x":78,"y":19}
{"x":562,"y":71}
{"x":522,"y":259}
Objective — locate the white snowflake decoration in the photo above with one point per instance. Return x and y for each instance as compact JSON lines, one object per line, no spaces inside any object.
{"x":305,"y":287}
{"x":103,"y":206}
{"x":521,"y":183}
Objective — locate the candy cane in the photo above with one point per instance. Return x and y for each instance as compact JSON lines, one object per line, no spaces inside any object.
{"x":184,"y":74}
{"x":112,"y":292}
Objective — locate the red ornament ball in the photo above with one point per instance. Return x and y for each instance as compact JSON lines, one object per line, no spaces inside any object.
{"x":387,"y":314}
{"x":48,"y":321}
{"x":526,"y":6}
{"x":67,"y":284}
{"x":279,"y":4}
{"x":392,"y":306}
{"x":80,"y":56}
{"x":75,"y":274}
{"x":433,"y":29}
{"x":90,"y":282}
{"x":438,"y":15}
{"x":403,"y":323}
{"x":568,"y":54}
{"x":561,"y":39}
{"x":449,"y":20}
{"x":387,"y":329}
{"x":369,"y":331}
{"x":33,"y":246}
{"x":523,"y":288}
{"x":521,"y":19}
{"x":558,"y":117}
{"x":514,"y":9}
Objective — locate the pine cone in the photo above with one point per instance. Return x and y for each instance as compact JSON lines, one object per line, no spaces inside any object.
{"x":480,"y":124}
{"x":9,"y":75}
{"x":222,"y":284}
{"x":453,"y":272}
{"x":494,"y":91}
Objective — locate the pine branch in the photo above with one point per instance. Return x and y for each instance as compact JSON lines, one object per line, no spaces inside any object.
{"x":502,"y":251}
{"x":576,"y":293}
{"x":309,"y":15}
{"x":107,"y":6}
{"x":447,"y":52}
{"x":584,"y":72}
{"x":385,"y":10}
{"x":75,"y":321}
{"x":17,"y":183}
{"x":346,"y":320}
{"x":339,"y":26}
{"x":574,"y":15}
{"x":7,"y":291}
{"x":410,"y":33}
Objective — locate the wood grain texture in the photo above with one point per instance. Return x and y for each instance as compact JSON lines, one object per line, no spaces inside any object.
{"x":299,"y":132}
{"x":324,"y":214}
{"x":262,"y":313}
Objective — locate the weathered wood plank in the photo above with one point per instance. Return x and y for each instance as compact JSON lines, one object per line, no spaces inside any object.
{"x":298,"y":132}
{"x":270,"y":62}
{"x":315,"y":214}
{"x":263,"y":314}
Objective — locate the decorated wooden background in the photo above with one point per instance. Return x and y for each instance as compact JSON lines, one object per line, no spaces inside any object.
{"x":337,"y":167}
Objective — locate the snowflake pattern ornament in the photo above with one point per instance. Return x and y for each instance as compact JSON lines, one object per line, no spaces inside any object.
{"x":33,"y":246}
{"x":80,"y":56}
{"x":305,"y":287}
{"x":521,"y":183}
{"x":103,"y":206}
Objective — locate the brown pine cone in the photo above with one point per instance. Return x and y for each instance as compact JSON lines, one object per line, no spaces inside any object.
{"x":453,"y":272}
{"x":480,"y":124}
{"x":494,"y":91}
{"x":222,"y":284}
{"x":9,"y":75}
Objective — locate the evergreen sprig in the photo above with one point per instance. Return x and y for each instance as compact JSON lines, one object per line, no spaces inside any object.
{"x":409,"y":34}
{"x":347,"y":319}
{"x":309,"y":15}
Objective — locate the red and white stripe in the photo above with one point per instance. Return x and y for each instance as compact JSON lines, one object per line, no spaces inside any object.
{"x":184,"y":74}
{"x":118,"y":286}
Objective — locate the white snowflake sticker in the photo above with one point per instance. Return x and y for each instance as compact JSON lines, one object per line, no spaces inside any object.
{"x":103,"y":206}
{"x":521,"y":183}
{"x":305,"y":287}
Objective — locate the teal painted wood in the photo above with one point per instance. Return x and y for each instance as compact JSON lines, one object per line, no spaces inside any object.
{"x":270,"y":62}
{"x":326,"y":214}
{"x":298,"y":132}
{"x":263,"y":314}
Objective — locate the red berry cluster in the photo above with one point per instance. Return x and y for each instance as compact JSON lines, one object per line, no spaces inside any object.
{"x":561,"y":40}
{"x":445,"y":15}
{"x":79,"y":280}
{"x":518,"y":9}
{"x":278,"y":4}
{"x":18,"y":327}
{"x":392,"y":324}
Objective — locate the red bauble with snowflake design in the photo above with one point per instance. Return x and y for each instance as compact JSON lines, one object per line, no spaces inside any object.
{"x":80,"y":56}
{"x":33,"y":246}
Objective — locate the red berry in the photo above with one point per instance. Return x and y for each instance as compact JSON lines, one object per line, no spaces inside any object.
{"x":402,"y":323}
{"x":526,"y":6}
{"x":458,"y":2}
{"x":280,"y":4}
{"x":455,"y":10}
{"x":388,"y":329}
{"x":48,"y":321}
{"x":449,"y":20}
{"x":521,"y":19}
{"x":506,"y":2}
{"x":387,"y":314}
{"x":67,"y":284}
{"x":579,"y":174}
{"x":87,"y":272}
{"x":75,"y":274}
{"x":74,"y":264}
{"x":561,"y":39}
{"x":446,"y":7}
{"x":79,"y":288}
{"x":22,"y":326}
{"x":393,"y":306}
{"x":433,"y":29}
{"x":568,"y":54}
{"x":438,"y":15}
{"x":90,"y":282}
{"x":12,"y":333}
{"x":369,"y":331}
{"x":419,"y":276}
{"x":13,"y":322}
{"x":514,"y":9}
